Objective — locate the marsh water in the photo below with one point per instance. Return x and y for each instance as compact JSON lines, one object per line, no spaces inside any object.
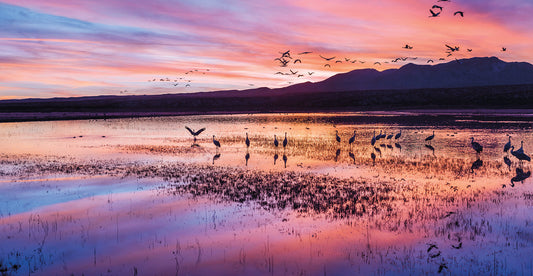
{"x":140,"y":196}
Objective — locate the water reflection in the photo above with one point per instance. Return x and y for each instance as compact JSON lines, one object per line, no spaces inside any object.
{"x":520,"y":176}
{"x":431,"y":148}
{"x":275,"y":158}
{"x":285,"y":159}
{"x":216,"y":157}
{"x":476,"y":165}
{"x":247,"y":157}
{"x":507,"y":162}
{"x":337,"y":154}
{"x":352,"y":156}
{"x":397,"y":145}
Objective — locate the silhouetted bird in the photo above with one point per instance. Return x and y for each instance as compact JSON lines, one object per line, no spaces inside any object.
{"x":407,"y":47}
{"x":276,"y":143}
{"x":504,"y":49}
{"x":327,"y":65}
{"x":476,"y":146}
{"x":390,"y":136}
{"x":217,"y":143}
{"x":507,"y":145}
{"x":458,"y":13}
{"x":304,"y":53}
{"x":520,"y":155}
{"x":429,"y":138}
{"x":433,"y":14}
{"x":275,"y":158}
{"x":373,"y":156}
{"x":398,"y":135}
{"x":437,"y":7}
{"x":470,"y":50}
{"x":373,"y":141}
{"x":328,"y":59}
{"x":430,"y":60}
{"x":298,"y":60}
{"x":352,"y":139}
{"x":195,"y":133}
{"x":337,"y":137}
{"x":285,"y":141}
{"x":247,"y":141}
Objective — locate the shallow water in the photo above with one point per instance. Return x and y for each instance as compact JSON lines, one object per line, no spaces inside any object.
{"x":124,"y":195}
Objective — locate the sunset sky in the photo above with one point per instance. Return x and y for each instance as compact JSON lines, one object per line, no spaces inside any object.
{"x":79,"y":47}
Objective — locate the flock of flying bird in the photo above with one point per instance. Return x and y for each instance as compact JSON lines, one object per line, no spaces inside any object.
{"x":477,"y":147}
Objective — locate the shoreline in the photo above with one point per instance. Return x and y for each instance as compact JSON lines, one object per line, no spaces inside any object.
{"x":9,"y":117}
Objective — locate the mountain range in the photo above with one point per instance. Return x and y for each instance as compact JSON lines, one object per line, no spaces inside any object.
{"x":475,"y":83}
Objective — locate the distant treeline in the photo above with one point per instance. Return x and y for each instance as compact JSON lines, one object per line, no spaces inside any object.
{"x":284,"y":100}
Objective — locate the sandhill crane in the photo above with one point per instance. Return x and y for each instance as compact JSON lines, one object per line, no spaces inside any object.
{"x":352,"y":139}
{"x":194,"y":133}
{"x":247,"y":141}
{"x":507,"y":145}
{"x":217,"y":143}
{"x":430,"y":137}
{"x":476,"y":146}
{"x":337,"y":137}
{"x":398,"y":135}
{"x":285,"y":141}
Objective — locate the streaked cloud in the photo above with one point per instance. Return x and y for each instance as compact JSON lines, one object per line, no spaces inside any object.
{"x":50,"y":48}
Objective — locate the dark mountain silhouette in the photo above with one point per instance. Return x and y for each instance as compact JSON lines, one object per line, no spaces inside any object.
{"x":475,"y":83}
{"x":486,"y":71}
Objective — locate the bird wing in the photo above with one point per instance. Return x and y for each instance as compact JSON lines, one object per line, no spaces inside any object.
{"x":199,"y":131}
{"x":190,"y":130}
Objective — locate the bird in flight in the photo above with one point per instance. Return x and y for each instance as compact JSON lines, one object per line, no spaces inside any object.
{"x":407,"y":47}
{"x":327,"y":65}
{"x":459,"y":13}
{"x":310,"y":73}
{"x":294,"y":73}
{"x":298,"y":60}
{"x":304,"y":53}
{"x":434,"y":14}
{"x":430,"y":60}
{"x":286,"y":54}
{"x":377,"y":63}
{"x":328,"y":59}
{"x":338,"y":61}
{"x":453,"y":49}
{"x":504,"y":49}
{"x":444,"y":1}
{"x":470,"y":50}
{"x":437,"y":7}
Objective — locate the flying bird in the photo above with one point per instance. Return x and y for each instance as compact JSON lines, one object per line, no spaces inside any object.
{"x":294,"y":73}
{"x":470,"y":50}
{"x":298,"y":60}
{"x":458,"y":13}
{"x":327,"y":65}
{"x":407,"y":47}
{"x":310,"y":73}
{"x":504,"y":49}
{"x":194,"y":133}
{"x":328,"y":59}
{"x":433,"y":14}
{"x":430,"y":60}
{"x":338,"y":61}
{"x":377,"y":63}
{"x":304,"y":53}
{"x":437,"y":7}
